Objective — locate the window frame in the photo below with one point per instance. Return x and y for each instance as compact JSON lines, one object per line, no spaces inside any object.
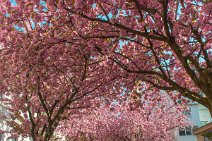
{"x":186,"y":130}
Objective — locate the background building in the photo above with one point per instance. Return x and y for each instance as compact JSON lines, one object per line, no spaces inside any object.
{"x":199,"y":116}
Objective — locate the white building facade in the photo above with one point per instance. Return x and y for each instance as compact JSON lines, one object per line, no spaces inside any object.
{"x":199,"y":116}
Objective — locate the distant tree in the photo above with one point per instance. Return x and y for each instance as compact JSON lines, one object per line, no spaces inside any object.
{"x":155,"y":120}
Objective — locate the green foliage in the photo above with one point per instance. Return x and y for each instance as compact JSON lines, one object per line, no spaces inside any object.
{"x":208,"y":134}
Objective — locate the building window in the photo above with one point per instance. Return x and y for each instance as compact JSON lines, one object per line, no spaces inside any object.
{"x":182,"y":132}
{"x":204,"y":122}
{"x":185,"y":131}
{"x":188,"y":131}
{"x":204,"y":115}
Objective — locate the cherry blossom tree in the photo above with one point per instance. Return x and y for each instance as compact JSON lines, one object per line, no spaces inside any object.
{"x":58,"y":55}
{"x":43,"y":78}
{"x":166,"y":43}
{"x":47,"y":73}
{"x":41,"y":88}
{"x":150,"y":120}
